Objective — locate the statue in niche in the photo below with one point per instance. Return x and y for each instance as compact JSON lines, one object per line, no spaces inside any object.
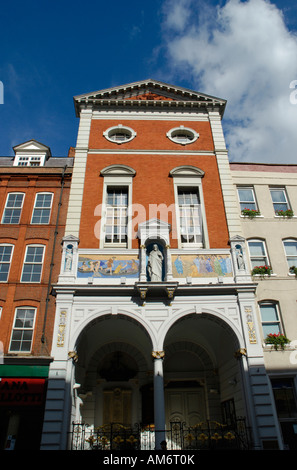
{"x":68,"y":257}
{"x":155,"y":264}
{"x":239,"y":257}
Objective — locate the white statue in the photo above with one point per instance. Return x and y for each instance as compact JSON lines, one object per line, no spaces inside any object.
{"x":239,"y":256}
{"x":68,"y":258}
{"x":155,"y":262}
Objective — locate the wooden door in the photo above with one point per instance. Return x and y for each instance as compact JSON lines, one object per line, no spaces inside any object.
{"x":117,"y":406}
{"x":185,"y":406}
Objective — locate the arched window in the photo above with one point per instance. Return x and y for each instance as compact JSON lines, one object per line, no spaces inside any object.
{"x":290,"y":246}
{"x":258,"y":253}
{"x":190,"y":216}
{"x":117,"y":198}
{"x":270,"y":317}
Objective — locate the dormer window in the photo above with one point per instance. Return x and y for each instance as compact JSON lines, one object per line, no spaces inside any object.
{"x":29,"y":161}
{"x":31,"y":153}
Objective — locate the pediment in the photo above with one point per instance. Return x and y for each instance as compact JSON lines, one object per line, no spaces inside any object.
{"x":187,"y":170}
{"x":154,"y":223}
{"x":70,"y":238}
{"x":150,"y":96}
{"x":154,"y":229}
{"x":148,"y":91}
{"x":32,"y":146}
{"x":118,"y":170}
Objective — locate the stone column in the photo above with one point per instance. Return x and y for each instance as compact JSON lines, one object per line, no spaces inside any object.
{"x":159,"y":402}
{"x":142,"y":276}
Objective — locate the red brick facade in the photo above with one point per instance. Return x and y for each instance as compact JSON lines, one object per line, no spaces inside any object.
{"x":152,"y":183}
{"x":14,"y":293}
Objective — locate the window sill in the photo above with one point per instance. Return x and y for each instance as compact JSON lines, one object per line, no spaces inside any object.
{"x":115,"y":245}
{"x":265,"y":275}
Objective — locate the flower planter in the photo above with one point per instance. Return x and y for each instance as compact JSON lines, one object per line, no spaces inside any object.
{"x":293,"y":270}
{"x":261,"y":270}
{"x":277,"y":340}
{"x":288,"y":213}
{"x":251,"y":213}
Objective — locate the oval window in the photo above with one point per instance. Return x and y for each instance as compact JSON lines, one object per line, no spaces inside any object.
{"x":119,"y":134}
{"x":182,"y":135}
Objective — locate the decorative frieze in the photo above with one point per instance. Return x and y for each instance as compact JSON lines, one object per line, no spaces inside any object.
{"x":61,"y":329}
{"x":250,"y":325}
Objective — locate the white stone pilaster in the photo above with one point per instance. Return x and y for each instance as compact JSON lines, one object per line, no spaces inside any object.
{"x":78,"y":174}
{"x":228,"y":189}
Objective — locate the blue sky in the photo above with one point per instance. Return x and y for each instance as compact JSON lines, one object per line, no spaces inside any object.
{"x":242,"y":51}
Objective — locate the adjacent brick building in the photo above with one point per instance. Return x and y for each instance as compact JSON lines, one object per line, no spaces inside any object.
{"x":34,"y":191}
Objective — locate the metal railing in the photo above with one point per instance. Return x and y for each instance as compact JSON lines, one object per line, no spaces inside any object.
{"x":207,"y":435}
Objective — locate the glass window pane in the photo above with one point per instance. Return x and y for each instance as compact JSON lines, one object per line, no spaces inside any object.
{"x":257,"y":248}
{"x":116,"y":214}
{"x":278,"y":195}
{"x":12,"y":209}
{"x":189,"y":210}
{"x":246,"y":198}
{"x":270,"y":328}
{"x":269,"y":312}
{"x":246,"y":195}
{"x":291,"y":248}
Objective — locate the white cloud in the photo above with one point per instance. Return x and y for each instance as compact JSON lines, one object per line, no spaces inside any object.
{"x":242,"y":52}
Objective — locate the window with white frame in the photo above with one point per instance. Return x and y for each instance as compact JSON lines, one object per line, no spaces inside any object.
{"x":29,"y":160}
{"x":270,"y":318}
{"x":258,"y":253}
{"x":182,"y":135}
{"x":115,"y":227}
{"x":119,"y":134}
{"x":13,"y":208}
{"x":5,"y":261}
{"x":23,"y":329}
{"x":279,"y":199}
{"x":33,"y":262}
{"x":189,"y":215}
{"x":191,"y":227}
{"x":291,"y":252}
{"x":42,"y":208}
{"x":247,"y":198}
{"x":116,"y":215}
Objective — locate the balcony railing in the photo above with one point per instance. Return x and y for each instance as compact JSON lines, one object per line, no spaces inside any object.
{"x":208,"y":435}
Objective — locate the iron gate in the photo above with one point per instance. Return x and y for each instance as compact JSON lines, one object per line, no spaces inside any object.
{"x":208,"y":435}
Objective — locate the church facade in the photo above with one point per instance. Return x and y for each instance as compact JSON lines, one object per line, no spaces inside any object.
{"x":156,"y":317}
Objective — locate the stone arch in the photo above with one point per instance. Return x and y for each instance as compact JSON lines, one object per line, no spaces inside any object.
{"x":103,"y":315}
{"x":212,"y":314}
{"x":190,"y":347}
{"x":118,"y":346}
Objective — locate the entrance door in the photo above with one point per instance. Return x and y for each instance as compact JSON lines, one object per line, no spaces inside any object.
{"x":117,"y":406}
{"x":185,"y":405}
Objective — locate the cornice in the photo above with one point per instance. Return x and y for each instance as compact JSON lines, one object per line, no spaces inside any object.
{"x":126,"y":96}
